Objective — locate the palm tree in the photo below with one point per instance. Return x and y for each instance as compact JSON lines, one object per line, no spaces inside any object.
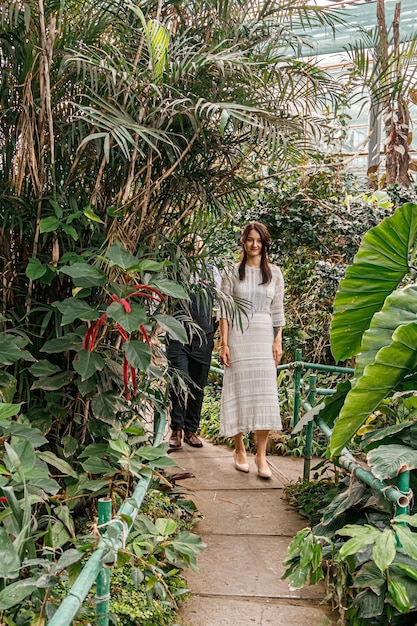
{"x":385,"y":68}
{"x":120,"y":123}
{"x":155,"y":112}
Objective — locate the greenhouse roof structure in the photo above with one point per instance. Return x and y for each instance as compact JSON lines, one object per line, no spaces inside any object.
{"x":358,"y":16}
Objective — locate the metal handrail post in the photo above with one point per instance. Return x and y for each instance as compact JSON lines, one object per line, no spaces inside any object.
{"x":297,"y":386}
{"x":104,"y":514}
{"x":404,"y":487}
{"x":308,"y":446}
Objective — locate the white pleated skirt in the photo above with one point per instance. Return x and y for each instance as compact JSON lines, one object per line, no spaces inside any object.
{"x":250,"y":393}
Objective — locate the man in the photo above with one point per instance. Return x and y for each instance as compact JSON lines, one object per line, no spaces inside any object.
{"x":193,"y":359}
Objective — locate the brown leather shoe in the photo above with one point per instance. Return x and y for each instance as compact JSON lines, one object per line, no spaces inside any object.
{"x":192,"y":439}
{"x":176,"y":438}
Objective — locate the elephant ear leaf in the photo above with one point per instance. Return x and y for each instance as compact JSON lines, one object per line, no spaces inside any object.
{"x":386,"y":462}
{"x":378,"y":267}
{"x":392,"y":364}
{"x":399,"y":308}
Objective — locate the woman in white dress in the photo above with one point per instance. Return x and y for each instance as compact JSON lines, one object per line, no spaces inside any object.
{"x":251,"y":347}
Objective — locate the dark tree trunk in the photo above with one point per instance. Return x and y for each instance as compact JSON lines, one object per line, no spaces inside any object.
{"x":395,"y":110}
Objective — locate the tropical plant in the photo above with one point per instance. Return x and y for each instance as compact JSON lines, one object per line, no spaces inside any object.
{"x":384,"y":69}
{"x":374,"y":313}
{"x":374,"y":320}
{"x":381,"y":575}
{"x":122,"y":127}
{"x":136,"y":119}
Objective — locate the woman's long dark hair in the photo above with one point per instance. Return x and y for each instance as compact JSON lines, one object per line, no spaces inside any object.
{"x":263,"y":233}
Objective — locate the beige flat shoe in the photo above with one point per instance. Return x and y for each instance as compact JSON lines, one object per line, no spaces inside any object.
{"x":241,"y":467}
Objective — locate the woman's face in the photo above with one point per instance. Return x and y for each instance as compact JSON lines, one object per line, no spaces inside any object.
{"x":253,"y":244}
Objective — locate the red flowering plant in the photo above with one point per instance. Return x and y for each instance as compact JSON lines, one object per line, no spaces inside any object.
{"x":109,"y":363}
{"x":132,"y":309}
{"x":82,"y":434}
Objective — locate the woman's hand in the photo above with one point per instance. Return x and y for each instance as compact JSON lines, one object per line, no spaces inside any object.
{"x":277,"y":351}
{"x":225,"y":356}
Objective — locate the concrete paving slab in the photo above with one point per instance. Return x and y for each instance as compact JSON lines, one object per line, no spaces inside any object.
{"x":290,"y":469}
{"x":203,"y":611}
{"x":215,"y":464}
{"x":247,"y":527}
{"x":220,"y":473}
{"x":208,"y":450}
{"x":243,"y":512}
{"x":245,"y":566}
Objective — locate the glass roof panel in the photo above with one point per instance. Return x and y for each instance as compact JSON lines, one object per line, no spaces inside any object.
{"x":357,"y":16}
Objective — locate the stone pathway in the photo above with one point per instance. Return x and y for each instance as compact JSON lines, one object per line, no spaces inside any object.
{"x":247,"y":527}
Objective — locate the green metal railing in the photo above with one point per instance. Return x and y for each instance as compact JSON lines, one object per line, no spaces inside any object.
{"x":114,"y":532}
{"x":400,"y":495}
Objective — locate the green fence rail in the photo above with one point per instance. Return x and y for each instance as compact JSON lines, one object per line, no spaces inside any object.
{"x":114,"y":531}
{"x":399,"y":495}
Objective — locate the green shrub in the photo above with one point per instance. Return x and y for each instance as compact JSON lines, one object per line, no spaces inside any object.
{"x":132,"y":605}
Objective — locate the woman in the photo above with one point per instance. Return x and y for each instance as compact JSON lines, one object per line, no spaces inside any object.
{"x":251,"y":348}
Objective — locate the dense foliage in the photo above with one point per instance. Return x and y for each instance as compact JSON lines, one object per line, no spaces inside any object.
{"x":372,"y":574}
{"x":122,"y":129}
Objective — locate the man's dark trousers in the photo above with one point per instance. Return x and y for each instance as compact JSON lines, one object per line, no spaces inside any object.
{"x":194,"y":360}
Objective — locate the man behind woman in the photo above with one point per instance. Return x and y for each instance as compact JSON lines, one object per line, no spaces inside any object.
{"x":251,"y":347}
{"x":193,"y":359}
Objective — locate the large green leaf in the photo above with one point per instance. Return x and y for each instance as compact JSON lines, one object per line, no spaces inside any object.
{"x":52,"y":383}
{"x":399,"y":308}
{"x":407,"y":539}
{"x":118,"y":256}
{"x":129,"y":321}
{"x":98,"y":466}
{"x":22,"y":431}
{"x":360,"y":536}
{"x":16,"y":592}
{"x":87,"y":363}
{"x":71,"y":341}
{"x":370,"y":576}
{"x":384,"y":549}
{"x":106,"y":405}
{"x":387,"y":433}
{"x":138,"y":354}
{"x":148,"y":265}
{"x":9,"y":558}
{"x":44,"y":368}
{"x":388,"y":461}
{"x":8,"y":410}
{"x":85,"y":275}
{"x":26,"y":453}
{"x":48,"y":224}
{"x":35,"y":269}
{"x":51,"y":458}
{"x":166,"y":526}
{"x":397,"y":593}
{"x":378,"y":267}
{"x":392,"y":364}
{"x":8,"y":385}
{"x":75,"y":308}
{"x":173,"y":327}
{"x":169,"y":288}
{"x":10,"y":350}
